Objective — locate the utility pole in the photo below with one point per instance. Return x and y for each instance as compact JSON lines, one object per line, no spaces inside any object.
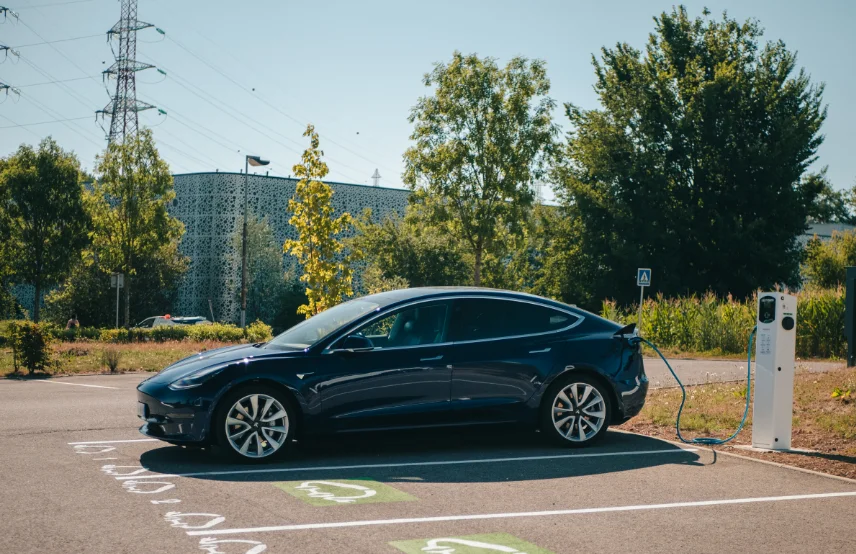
{"x":124,"y":106}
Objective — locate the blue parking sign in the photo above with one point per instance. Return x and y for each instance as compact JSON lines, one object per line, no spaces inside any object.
{"x":643,"y":277}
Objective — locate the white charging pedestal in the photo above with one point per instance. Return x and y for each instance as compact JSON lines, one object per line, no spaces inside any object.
{"x":775,"y":349}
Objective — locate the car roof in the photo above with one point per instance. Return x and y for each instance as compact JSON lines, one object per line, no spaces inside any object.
{"x":403,"y":295}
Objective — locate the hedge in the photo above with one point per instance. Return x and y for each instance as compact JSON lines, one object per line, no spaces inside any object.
{"x":222,"y":332}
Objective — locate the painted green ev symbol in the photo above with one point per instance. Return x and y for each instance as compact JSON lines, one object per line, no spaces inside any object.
{"x":472,"y":544}
{"x":343,"y":492}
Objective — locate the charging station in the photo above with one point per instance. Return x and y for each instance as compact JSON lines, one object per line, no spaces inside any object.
{"x":775,"y":351}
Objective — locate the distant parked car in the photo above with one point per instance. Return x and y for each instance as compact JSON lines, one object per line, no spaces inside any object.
{"x":166,"y":320}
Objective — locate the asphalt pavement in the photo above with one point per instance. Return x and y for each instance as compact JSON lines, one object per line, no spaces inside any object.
{"x":78,"y":477}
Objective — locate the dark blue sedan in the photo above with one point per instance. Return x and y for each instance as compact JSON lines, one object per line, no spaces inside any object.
{"x":412,"y":358}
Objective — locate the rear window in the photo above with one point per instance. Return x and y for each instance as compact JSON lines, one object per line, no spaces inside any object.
{"x":489,"y":318}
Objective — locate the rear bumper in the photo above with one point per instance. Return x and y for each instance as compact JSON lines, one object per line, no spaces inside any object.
{"x":172,"y":416}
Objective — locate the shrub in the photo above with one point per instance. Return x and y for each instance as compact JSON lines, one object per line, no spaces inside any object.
{"x":258,"y":332}
{"x":113,"y":335}
{"x":31,"y":346}
{"x":223,"y":332}
{"x":110,"y":357}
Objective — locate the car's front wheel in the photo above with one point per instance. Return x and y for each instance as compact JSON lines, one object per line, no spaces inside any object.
{"x":576,"y":411}
{"x":255,"y":423}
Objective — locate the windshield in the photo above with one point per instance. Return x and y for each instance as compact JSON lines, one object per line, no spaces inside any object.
{"x":307,"y":333}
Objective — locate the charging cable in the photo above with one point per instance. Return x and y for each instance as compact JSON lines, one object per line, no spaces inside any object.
{"x":710,"y":440}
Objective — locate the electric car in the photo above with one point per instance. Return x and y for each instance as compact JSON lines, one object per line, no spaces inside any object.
{"x":413,"y":358}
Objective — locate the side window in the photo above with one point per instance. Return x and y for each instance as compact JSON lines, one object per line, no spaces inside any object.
{"x":422,"y":324}
{"x":488,"y":318}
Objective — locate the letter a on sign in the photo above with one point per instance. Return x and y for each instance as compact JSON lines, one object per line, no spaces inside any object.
{"x":643,"y":277}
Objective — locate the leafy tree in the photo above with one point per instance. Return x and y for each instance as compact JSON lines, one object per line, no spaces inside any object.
{"x":87,"y":292}
{"x":273,"y":294}
{"x":481,"y":139}
{"x":8,"y":302}
{"x":830,"y":205}
{"x":692,"y":165}
{"x":826,"y":262}
{"x":409,"y":251}
{"x":134,"y":234}
{"x":326,"y":274}
{"x":45,"y":208}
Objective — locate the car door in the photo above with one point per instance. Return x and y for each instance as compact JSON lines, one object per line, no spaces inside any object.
{"x":502,"y":351}
{"x":403,"y":381}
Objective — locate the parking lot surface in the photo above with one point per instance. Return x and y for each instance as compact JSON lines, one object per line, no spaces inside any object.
{"x":77,"y":477}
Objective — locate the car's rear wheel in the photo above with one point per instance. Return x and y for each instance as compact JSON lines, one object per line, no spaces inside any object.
{"x":255,"y":423}
{"x":576,"y":411}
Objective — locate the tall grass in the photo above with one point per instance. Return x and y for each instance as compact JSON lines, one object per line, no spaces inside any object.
{"x":721,"y":325}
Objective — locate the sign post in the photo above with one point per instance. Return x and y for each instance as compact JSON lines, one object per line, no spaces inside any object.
{"x":117,"y":281}
{"x":643,"y":279}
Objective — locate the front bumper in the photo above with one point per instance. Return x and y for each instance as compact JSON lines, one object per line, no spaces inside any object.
{"x":174,"y":416}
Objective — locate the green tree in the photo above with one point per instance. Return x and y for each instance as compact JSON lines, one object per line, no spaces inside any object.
{"x":830,"y":205}
{"x":480,"y":140}
{"x":45,"y":208}
{"x":693,"y":164}
{"x":134,"y":234}
{"x":326,"y":273}
{"x":7,"y":249}
{"x":826,"y":262}
{"x":409,"y":251}
{"x":273,"y":294}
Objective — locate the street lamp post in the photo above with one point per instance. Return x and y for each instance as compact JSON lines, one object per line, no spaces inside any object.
{"x":254,"y":161}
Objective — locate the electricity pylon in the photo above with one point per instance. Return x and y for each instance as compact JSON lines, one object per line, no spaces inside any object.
{"x":124,"y":106}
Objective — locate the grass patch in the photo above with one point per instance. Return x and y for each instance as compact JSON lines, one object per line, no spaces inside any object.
{"x":89,"y":357}
{"x":822,"y":422}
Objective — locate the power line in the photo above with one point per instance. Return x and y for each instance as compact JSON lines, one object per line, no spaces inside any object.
{"x":55,"y":82}
{"x":244,"y":118}
{"x":37,"y":6}
{"x":265,"y":102}
{"x":56,"y":41}
{"x":28,"y":130}
{"x":44,"y":122}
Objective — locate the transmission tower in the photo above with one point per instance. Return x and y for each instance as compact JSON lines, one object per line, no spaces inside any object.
{"x":124,"y":106}
{"x":376,"y":177}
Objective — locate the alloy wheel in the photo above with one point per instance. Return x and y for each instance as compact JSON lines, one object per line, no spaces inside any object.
{"x":257,"y":425}
{"x":579,"y":411}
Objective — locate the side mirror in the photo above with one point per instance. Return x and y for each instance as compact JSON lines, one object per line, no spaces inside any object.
{"x":356,"y":343}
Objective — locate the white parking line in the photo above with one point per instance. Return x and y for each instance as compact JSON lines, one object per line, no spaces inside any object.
{"x":415,"y":464}
{"x":111,"y":442}
{"x":52,"y":382}
{"x":640,"y":507}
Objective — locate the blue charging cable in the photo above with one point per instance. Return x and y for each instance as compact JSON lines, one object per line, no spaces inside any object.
{"x":710,"y":440}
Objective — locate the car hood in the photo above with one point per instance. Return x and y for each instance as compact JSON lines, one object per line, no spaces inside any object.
{"x":219,"y":356}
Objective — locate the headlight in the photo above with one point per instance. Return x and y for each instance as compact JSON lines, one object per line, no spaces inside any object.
{"x":197,"y":377}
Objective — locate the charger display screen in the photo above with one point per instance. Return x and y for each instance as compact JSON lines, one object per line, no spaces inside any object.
{"x":767,"y":309}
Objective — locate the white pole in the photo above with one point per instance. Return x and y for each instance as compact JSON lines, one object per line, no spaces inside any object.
{"x":639,"y":322}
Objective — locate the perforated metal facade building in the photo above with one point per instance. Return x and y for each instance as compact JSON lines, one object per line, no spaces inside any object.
{"x":211,"y":207}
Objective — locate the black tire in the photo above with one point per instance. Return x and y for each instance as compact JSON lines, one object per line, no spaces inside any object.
{"x":577,"y":421}
{"x":268,"y":437}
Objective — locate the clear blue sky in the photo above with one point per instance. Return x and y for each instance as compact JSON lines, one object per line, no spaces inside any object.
{"x":354,"y":69}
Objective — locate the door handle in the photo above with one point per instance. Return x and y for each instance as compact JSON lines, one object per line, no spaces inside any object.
{"x":542,"y":351}
{"x":434,"y":359}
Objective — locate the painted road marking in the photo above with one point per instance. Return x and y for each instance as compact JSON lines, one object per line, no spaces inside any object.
{"x":343,"y":491}
{"x":640,"y":507}
{"x":472,"y":544}
{"x":422,"y":464}
{"x":52,"y":382}
{"x":112,"y":442}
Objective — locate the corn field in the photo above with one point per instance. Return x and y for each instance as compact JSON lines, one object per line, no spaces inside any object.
{"x":713,"y":324}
